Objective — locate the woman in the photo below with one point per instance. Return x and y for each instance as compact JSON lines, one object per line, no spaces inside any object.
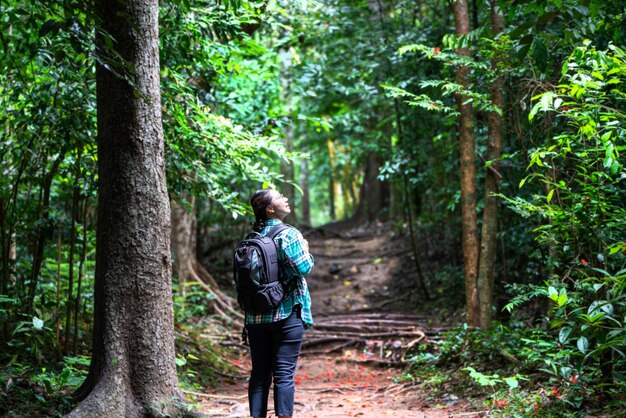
{"x":276,"y":336}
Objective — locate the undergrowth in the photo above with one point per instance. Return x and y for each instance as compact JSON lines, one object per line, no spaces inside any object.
{"x":36,"y":387}
{"x":513,"y":371}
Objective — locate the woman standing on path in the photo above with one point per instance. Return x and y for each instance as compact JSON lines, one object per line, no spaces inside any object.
{"x":276,"y":336}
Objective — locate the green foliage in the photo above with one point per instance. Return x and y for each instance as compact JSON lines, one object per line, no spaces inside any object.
{"x":45,"y":391}
{"x":216,"y":70}
{"x":192,"y":303}
{"x":581,"y":170}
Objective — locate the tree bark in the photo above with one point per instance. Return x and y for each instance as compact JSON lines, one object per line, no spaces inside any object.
{"x":488,"y":241}
{"x":132,"y":371}
{"x":468,"y":175}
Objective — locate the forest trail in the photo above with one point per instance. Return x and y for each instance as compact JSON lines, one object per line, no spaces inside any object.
{"x":350,"y":359}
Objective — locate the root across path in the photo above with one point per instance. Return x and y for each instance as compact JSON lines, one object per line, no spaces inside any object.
{"x":353,"y":357}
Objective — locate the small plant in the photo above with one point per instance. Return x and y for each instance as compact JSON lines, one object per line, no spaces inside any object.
{"x":507,"y":399}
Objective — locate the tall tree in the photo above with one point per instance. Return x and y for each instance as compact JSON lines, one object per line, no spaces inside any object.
{"x":132,"y":371}
{"x":487,"y":261}
{"x":468,"y":173}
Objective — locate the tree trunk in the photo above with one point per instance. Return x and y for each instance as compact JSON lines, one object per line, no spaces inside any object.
{"x":81,"y":264}
{"x":374,"y":194}
{"x":287,"y":169}
{"x":132,"y":371}
{"x":331,"y":180}
{"x":57,"y":325}
{"x":409,"y":210}
{"x":306,"y":199}
{"x":43,"y":230}
{"x":183,"y":241}
{"x":468,"y":175}
{"x":5,"y":252}
{"x":70,"y":287}
{"x":490,"y":215}
{"x":4,"y":248}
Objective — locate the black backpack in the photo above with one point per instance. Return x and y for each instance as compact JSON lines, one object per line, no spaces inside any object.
{"x":257,"y":273}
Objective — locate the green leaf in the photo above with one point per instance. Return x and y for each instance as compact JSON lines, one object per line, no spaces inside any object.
{"x":37,"y":323}
{"x":512,"y":382}
{"x":553,"y":293}
{"x":582,"y":344}
{"x":564,"y":334}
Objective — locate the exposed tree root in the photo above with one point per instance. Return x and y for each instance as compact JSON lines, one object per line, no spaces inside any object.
{"x":112,"y":398}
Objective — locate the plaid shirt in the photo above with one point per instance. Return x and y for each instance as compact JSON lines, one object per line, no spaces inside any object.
{"x":295,"y":263}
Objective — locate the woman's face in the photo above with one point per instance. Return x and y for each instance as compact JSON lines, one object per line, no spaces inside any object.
{"x":279,"y":208}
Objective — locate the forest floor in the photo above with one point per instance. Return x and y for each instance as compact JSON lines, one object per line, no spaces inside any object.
{"x":352,"y":359}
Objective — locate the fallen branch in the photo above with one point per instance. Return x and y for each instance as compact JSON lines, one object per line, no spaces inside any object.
{"x":207,"y":395}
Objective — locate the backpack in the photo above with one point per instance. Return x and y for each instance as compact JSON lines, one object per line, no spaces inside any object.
{"x":256,"y":272}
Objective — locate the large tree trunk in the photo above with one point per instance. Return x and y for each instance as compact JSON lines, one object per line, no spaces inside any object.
{"x":490,"y":215}
{"x":468,"y":175}
{"x":132,"y":371}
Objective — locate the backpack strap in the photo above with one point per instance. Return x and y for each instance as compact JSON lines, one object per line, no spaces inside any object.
{"x":277,"y":229}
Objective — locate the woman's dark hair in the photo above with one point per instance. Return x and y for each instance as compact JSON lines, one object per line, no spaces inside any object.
{"x":259,"y":201}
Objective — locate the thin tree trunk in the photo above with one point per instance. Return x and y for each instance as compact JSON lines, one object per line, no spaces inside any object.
{"x":468,"y":175}
{"x":331,"y":180}
{"x":57,"y":324}
{"x":132,"y":372}
{"x":306,"y":199}
{"x":42,"y":230}
{"x":81,"y":264}
{"x":4,"y":286}
{"x":474,"y":14}
{"x":70,"y":286}
{"x":287,"y":169}
{"x":409,"y":208}
{"x":488,"y":241}
{"x":183,"y":241}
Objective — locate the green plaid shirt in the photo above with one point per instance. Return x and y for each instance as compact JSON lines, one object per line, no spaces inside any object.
{"x":295,"y":264}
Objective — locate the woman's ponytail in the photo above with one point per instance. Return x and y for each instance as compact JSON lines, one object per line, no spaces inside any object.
{"x":259,"y":201}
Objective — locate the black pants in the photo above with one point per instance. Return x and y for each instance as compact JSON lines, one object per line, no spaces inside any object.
{"x":274,"y":349}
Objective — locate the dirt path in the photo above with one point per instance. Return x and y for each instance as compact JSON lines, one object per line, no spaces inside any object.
{"x":350,"y":378}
